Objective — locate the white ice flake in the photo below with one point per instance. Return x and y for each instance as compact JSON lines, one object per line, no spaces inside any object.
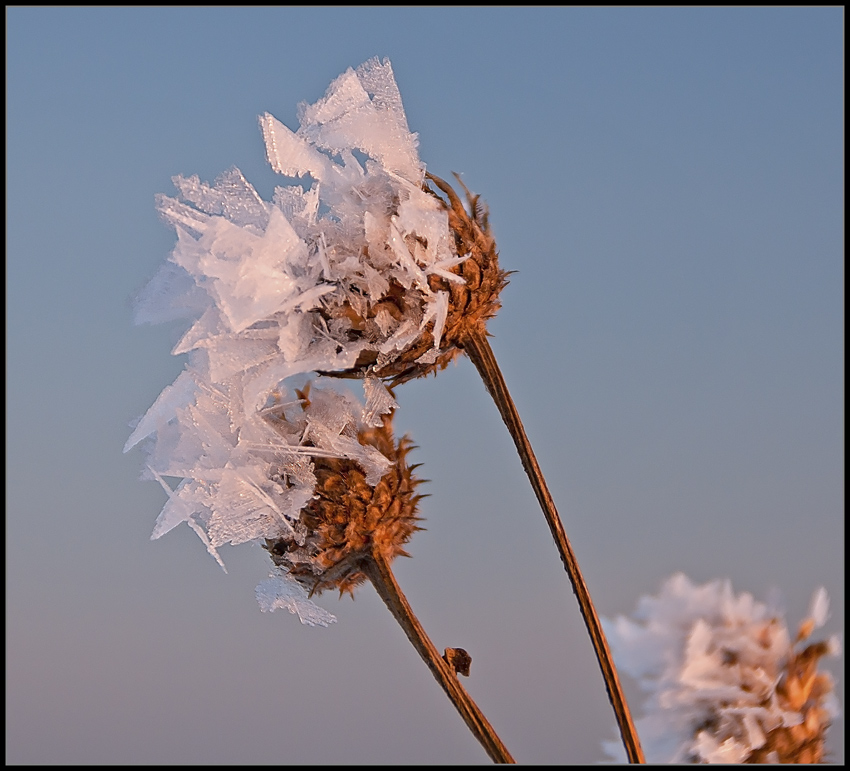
{"x":363,"y":110}
{"x":819,"y":607}
{"x":438,"y":310}
{"x":202,"y":534}
{"x":175,"y":512}
{"x":280,"y":591}
{"x":170,"y":295}
{"x":173,"y":397}
{"x":379,"y":401}
{"x":232,"y":197}
{"x":290,"y":154}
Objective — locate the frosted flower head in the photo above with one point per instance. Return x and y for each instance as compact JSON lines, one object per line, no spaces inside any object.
{"x":246,"y":474}
{"x":468,"y":295}
{"x":355,"y":266}
{"x":725,"y":682}
{"x":349,"y":519}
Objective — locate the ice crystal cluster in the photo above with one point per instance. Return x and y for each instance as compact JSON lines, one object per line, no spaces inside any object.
{"x":341,"y":272}
{"x":247,"y":474}
{"x":725,"y":681}
{"x":335,"y":271}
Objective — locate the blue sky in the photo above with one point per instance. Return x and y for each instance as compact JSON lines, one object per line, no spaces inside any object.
{"x":668,"y":185}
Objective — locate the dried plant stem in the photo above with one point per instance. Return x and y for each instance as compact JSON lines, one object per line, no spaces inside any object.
{"x":378,"y":570}
{"x":478,"y":348}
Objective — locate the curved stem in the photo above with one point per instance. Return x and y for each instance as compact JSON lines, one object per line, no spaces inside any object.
{"x":478,"y":348}
{"x":377,"y":569}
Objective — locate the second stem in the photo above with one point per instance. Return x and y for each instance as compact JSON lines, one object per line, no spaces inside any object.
{"x":479,"y":351}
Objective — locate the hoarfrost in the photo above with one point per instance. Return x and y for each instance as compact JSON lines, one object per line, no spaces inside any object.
{"x":281,"y":591}
{"x":245,"y":472}
{"x":287,"y":266}
{"x":710,"y":662}
{"x":276,"y":290}
{"x":379,"y":401}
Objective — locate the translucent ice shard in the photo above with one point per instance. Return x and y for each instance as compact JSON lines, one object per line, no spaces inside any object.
{"x":362,"y":109}
{"x":230,"y":196}
{"x":281,"y":591}
{"x":290,"y":154}
{"x":379,"y":401}
{"x":170,"y":295}
{"x":819,"y":607}
{"x":178,"y":394}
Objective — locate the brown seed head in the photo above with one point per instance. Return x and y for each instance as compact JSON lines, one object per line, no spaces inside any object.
{"x":348,"y":520}
{"x":471,"y":303}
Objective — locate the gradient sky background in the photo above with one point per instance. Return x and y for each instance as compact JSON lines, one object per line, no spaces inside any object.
{"x":668,"y":185}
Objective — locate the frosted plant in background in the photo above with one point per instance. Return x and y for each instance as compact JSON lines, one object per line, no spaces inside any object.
{"x":725,"y":681}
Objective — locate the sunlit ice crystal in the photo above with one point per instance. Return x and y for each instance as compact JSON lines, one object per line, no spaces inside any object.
{"x":280,"y":591}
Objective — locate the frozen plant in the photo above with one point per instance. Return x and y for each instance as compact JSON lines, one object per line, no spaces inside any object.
{"x":725,"y":681}
{"x":363,"y":265}
{"x":245,"y":475}
{"x":351,"y":268}
{"x":315,"y":478}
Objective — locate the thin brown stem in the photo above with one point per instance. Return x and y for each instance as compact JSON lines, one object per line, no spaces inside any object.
{"x":377,"y":569}
{"x":478,"y":348}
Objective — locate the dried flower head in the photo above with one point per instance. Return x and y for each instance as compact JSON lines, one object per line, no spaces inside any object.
{"x":726,"y":683}
{"x":348,"y":519}
{"x":468,"y":292}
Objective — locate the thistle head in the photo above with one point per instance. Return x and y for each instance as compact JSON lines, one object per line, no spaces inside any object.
{"x":348,"y":519}
{"x":468,"y":293}
{"x":805,"y":691}
{"x":365,"y":267}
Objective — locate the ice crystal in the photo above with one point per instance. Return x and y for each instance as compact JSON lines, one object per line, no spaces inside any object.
{"x":281,"y":591}
{"x":726,"y":683}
